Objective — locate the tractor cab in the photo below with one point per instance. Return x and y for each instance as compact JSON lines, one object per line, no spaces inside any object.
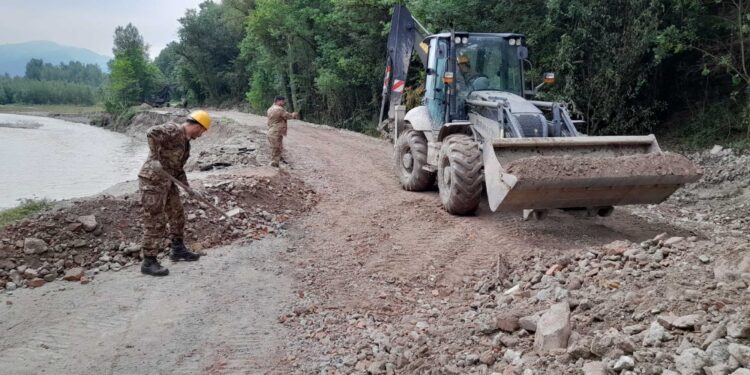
{"x":469,"y":66}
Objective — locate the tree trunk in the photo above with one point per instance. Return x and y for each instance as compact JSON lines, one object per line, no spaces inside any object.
{"x":292,"y":79}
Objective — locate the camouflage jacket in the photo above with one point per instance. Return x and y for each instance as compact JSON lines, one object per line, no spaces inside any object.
{"x":170,"y":146}
{"x":277,"y":117}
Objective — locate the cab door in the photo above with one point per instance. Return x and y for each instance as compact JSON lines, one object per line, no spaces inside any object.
{"x":435,"y":87}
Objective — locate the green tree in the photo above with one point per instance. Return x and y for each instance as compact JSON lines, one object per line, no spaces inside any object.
{"x":209,"y":46}
{"x":133,"y":78}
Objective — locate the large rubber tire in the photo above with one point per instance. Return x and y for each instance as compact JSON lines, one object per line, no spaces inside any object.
{"x":460,"y":174}
{"x":410,"y":156}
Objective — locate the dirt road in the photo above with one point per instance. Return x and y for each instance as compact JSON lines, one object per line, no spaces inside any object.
{"x":369,"y":254}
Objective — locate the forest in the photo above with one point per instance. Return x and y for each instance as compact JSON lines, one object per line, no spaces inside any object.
{"x":626,"y":67}
{"x":45,"y":83}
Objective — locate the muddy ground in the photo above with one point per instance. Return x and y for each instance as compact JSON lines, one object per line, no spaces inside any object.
{"x":376,"y":280}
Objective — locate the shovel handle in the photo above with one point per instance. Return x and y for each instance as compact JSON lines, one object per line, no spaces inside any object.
{"x":197,"y":196}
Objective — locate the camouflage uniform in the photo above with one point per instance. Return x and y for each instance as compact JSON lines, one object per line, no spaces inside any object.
{"x":169,"y":146}
{"x":277,"y":117}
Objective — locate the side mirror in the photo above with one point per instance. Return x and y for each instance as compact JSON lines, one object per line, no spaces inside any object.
{"x":523,"y":53}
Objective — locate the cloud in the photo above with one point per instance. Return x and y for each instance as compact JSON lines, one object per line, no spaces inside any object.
{"x":91,"y":23}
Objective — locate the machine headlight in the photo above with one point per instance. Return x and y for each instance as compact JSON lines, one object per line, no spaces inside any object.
{"x":512,"y":42}
{"x":457,"y":40}
{"x":465,"y":40}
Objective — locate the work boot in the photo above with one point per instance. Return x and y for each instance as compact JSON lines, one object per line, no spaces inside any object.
{"x":151,"y":266}
{"x":180,"y":252}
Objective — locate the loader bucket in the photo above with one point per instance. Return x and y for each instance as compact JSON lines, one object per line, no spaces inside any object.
{"x":578,"y":172}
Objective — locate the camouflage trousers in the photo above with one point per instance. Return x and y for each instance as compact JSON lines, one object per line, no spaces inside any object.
{"x":160,"y":199}
{"x":276,"y":142}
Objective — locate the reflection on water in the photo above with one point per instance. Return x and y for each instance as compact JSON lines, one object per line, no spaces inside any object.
{"x":61,"y":159}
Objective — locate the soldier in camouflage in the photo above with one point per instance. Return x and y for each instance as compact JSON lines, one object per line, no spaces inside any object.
{"x":169,"y":146}
{"x":277,"y":118}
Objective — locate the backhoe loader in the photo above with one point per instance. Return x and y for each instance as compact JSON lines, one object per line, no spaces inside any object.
{"x":479,"y":129}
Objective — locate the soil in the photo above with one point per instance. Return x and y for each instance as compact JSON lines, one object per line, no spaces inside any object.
{"x":554,"y":169}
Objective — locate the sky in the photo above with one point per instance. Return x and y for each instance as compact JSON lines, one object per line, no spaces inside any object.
{"x":91,"y":23}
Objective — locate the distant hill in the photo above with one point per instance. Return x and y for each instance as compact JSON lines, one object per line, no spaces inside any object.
{"x":13,"y":57}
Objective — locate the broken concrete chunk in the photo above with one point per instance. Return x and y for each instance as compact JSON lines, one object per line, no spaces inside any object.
{"x":89,"y":222}
{"x":553,"y":328}
{"x":34,"y":246}
{"x":691,"y":362}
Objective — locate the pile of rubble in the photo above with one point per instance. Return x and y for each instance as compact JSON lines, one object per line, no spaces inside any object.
{"x":79,"y":239}
{"x":719,"y":201}
{"x":669,"y":305}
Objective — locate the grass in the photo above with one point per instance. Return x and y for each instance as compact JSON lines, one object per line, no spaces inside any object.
{"x":61,"y":109}
{"x":27,"y":208}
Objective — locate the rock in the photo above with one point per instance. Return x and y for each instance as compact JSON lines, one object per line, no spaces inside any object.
{"x":595,"y":368}
{"x":10,"y":286}
{"x":616,"y":247}
{"x":717,"y":370}
{"x":512,"y":357}
{"x":579,"y":347}
{"x":574,"y":282}
{"x":691,"y":362}
{"x":34,"y":246}
{"x":741,"y":371}
{"x":35,"y":282}
{"x":529,"y":322}
{"x":89,"y":222}
{"x":717,"y":333}
{"x":234,"y":212}
{"x":50,"y":277}
{"x":739,"y":329}
{"x":624,"y":363}
{"x":716,"y":150}
{"x":73,"y":274}
{"x":655,"y":335}
{"x":85,"y":280}
{"x":671,"y":241}
{"x":507,"y":323}
{"x":7,"y":264}
{"x":741,"y":353}
{"x":687,"y":321}
{"x":115,"y":267}
{"x":553,"y":328}
{"x":30,"y":273}
{"x":488,"y":358}
{"x":666,"y":320}
{"x":634,"y":329}
{"x":718,"y":352}
{"x":376,"y":368}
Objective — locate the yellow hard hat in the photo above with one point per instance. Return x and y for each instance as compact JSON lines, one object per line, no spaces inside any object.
{"x":202,"y":118}
{"x":463,"y":59}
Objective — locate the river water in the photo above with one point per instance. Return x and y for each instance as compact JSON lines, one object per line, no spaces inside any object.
{"x":48,"y":158}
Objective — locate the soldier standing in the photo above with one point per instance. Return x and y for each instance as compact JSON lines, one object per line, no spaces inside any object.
{"x":277,"y":117}
{"x":169,"y":146}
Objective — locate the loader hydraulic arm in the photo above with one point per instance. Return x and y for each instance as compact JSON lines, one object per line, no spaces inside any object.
{"x":405,"y":37}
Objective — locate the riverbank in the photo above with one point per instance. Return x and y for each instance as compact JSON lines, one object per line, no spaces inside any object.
{"x":90,"y":115}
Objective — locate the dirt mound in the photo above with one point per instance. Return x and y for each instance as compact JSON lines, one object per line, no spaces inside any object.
{"x":226,"y":144}
{"x":104,"y":233}
{"x":720,"y":197}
